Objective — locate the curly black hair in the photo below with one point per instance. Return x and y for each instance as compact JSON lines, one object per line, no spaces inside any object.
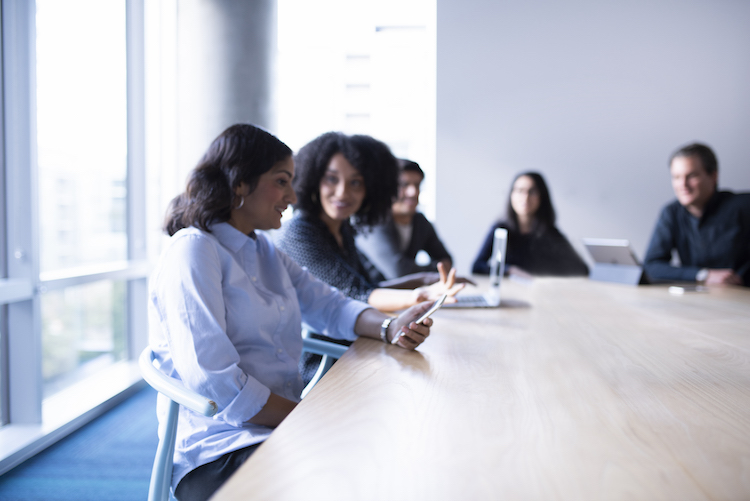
{"x":372,"y":158}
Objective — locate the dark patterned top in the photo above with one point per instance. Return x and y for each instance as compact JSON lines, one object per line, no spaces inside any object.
{"x":307,"y":240}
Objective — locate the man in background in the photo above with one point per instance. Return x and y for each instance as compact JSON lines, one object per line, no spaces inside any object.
{"x":393,"y":246}
{"x":709,"y":229}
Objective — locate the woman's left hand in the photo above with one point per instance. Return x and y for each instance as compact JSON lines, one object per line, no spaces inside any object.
{"x":433,"y":277}
{"x":446,"y":285}
{"x":410,"y":334}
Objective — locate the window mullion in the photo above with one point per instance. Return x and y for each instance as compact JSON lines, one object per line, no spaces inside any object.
{"x":137,"y":323}
{"x":24,"y":331}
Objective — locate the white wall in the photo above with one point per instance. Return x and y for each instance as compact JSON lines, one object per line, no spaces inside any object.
{"x":595,"y":95}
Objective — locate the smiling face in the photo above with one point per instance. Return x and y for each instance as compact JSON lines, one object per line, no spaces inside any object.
{"x":692,"y":185}
{"x":525,"y":198}
{"x":262,"y":208}
{"x":342,"y":190}
{"x":408,"y":193}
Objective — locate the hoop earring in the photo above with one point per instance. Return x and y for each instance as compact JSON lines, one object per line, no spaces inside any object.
{"x":242,"y":202}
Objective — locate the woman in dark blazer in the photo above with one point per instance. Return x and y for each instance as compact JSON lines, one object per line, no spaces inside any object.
{"x":535,"y":245}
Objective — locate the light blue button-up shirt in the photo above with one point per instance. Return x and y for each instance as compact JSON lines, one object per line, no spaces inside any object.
{"x":225,"y":313}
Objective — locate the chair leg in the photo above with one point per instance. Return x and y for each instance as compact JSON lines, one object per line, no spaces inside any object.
{"x":161,"y":474}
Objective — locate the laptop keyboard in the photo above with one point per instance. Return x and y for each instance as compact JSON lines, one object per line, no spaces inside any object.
{"x":471,"y":300}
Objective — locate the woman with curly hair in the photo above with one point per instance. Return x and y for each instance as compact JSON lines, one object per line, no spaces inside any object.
{"x":344,"y":184}
{"x":535,"y":245}
{"x":226,"y":308}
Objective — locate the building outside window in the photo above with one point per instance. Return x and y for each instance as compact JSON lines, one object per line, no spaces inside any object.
{"x":81,"y":96}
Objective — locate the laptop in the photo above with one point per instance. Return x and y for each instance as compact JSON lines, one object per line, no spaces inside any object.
{"x":611,"y":251}
{"x":491,"y":298}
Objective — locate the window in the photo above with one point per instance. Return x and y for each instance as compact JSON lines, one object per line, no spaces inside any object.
{"x":81,"y":121}
{"x":73,"y":263}
{"x":365,"y":67}
{"x":83,"y":331}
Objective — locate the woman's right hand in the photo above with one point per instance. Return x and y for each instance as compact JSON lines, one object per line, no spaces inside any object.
{"x":446,"y":285}
{"x":411,"y":334}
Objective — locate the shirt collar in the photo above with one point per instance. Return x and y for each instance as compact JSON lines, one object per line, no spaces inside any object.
{"x":230,"y":237}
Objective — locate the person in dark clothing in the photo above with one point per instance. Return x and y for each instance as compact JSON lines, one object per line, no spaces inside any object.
{"x":535,"y":245}
{"x":393,"y":245}
{"x":709,"y":229}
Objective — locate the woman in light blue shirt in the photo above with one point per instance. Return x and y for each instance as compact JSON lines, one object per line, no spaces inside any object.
{"x":226,"y":306}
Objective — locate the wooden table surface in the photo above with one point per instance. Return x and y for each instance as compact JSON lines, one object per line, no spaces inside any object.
{"x":573,"y":390}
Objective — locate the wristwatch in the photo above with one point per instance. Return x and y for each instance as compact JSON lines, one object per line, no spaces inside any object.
{"x":702,"y":275}
{"x":384,"y":328}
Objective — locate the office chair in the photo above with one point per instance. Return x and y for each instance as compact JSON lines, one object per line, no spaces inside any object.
{"x":161,"y":473}
{"x":329,"y":351}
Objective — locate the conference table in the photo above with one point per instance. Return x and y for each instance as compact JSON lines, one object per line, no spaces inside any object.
{"x":571,"y":390}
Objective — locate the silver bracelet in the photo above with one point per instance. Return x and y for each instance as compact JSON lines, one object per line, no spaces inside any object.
{"x":384,"y":328}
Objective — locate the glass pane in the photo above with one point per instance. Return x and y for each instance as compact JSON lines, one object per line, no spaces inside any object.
{"x":83,"y":331}
{"x":3,"y":310}
{"x":379,"y":62}
{"x":82,"y":132}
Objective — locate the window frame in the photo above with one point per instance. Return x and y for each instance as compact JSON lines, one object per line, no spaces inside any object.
{"x":25,"y":431}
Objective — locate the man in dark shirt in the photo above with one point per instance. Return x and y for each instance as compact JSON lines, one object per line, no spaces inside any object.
{"x":393,"y":246}
{"x":709,"y":229}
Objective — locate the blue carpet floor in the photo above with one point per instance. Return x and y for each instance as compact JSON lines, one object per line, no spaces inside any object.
{"x":110,"y":458}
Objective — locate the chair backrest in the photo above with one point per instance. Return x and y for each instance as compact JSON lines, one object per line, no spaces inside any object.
{"x":161,"y":473}
{"x":329,"y":351}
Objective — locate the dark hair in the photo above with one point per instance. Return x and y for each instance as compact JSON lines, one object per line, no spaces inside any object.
{"x":702,"y":153}
{"x":405,"y":165}
{"x":544,"y":218}
{"x":372,"y":158}
{"x":241,"y":154}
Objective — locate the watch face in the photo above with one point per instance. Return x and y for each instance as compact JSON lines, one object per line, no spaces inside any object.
{"x":384,"y":329}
